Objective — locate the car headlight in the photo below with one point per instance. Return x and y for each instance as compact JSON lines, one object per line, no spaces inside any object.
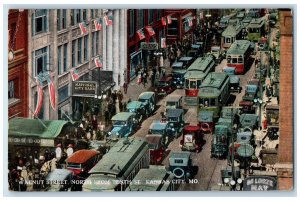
{"x":181,"y":82}
{"x":231,"y":88}
{"x":173,"y":129}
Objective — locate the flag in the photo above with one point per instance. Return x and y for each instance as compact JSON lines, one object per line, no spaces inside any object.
{"x":140,"y":34}
{"x":40,"y":94}
{"x":108,"y":20}
{"x":51,"y":92}
{"x":150,"y":30}
{"x":169,"y":19}
{"x":190,"y":21}
{"x":98,"y":62}
{"x":98,"y":24}
{"x":74,"y":74}
{"x":163,"y":21}
{"x":83,"y":28}
{"x":163,"y":43}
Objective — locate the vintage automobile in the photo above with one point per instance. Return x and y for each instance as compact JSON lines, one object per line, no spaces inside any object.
{"x":192,"y":139}
{"x":176,"y":121}
{"x":160,"y":128}
{"x":177,"y":66}
{"x":149,"y":101}
{"x":251,"y":90}
{"x":249,"y":121}
{"x":221,"y":137}
{"x":178,"y":78}
{"x":206,"y":122}
{"x":234,"y":80}
{"x":217,"y":53}
{"x":180,"y":164}
{"x":187,"y":61}
{"x":138,"y":108}
{"x":81,"y":161}
{"x":59,"y":180}
{"x":164,"y":86}
{"x":124,"y":124}
{"x":174,"y":102}
{"x":156,"y":148}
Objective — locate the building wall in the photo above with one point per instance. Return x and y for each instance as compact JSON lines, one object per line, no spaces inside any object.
{"x":17,"y":68}
{"x":71,"y":34}
{"x":286,"y":109}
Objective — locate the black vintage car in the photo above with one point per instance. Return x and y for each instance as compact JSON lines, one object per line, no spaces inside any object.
{"x":176,"y":121}
{"x":180,"y":164}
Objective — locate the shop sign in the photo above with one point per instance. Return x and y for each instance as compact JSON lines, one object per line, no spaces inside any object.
{"x":260,"y":183}
{"x":149,"y":46}
{"x":84,"y":88}
{"x":31,"y":141}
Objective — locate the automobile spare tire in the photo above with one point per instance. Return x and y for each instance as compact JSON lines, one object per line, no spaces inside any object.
{"x":205,"y":127}
{"x":178,"y":172}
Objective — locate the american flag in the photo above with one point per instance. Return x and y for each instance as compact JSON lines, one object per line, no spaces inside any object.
{"x":51,"y":91}
{"x":163,"y":43}
{"x":83,"y":28}
{"x":190,"y":21}
{"x":169,"y":19}
{"x":163,"y":21}
{"x":98,"y":62}
{"x":98,"y":24}
{"x":108,"y":20}
{"x":39,"y":102}
{"x":150,"y":30}
{"x":74,"y":74}
{"x":140,"y":34}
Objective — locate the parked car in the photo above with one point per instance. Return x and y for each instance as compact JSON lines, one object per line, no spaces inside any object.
{"x":247,"y":107}
{"x":249,"y":121}
{"x":156,"y":148}
{"x":180,"y":164}
{"x":174,"y":102}
{"x":160,"y":128}
{"x":59,"y":180}
{"x":124,"y":124}
{"x":192,"y":139}
{"x":217,"y":53}
{"x":234,"y":80}
{"x":176,"y":121}
{"x":149,"y":101}
{"x":164,"y":86}
{"x":138,"y":108}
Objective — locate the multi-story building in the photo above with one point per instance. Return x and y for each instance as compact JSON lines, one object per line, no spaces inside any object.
{"x":57,"y":45}
{"x":17,"y":64}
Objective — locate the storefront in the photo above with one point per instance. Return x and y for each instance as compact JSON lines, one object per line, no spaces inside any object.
{"x":30,"y":138}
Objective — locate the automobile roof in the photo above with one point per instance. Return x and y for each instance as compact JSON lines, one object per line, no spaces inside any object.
{"x":122,"y":116}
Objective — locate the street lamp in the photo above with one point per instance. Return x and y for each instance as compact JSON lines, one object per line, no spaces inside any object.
{"x":258,"y":101}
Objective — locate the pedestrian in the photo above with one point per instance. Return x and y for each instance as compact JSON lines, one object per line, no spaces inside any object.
{"x":125,"y":86}
{"x":70,"y":150}
{"x":106,"y":117}
{"x":121,"y":106}
{"x":163,"y":71}
{"x":120,"y":95}
{"x":58,"y":152}
{"x":144,"y":80}
{"x":114,"y":96}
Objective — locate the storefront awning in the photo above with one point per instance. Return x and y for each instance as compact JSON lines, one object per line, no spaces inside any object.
{"x":22,"y":127}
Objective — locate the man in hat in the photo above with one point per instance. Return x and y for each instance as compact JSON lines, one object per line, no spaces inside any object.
{"x":58,"y":152}
{"x":70,"y":150}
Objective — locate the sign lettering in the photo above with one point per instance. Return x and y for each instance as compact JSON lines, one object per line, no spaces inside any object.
{"x":149,"y":46}
{"x":260,"y":183}
{"x":84,"y":88}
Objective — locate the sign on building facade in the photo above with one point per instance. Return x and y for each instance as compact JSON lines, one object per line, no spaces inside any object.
{"x":84,"y":88}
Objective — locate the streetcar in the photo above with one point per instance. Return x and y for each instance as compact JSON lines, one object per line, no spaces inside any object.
{"x":238,"y":55}
{"x":118,"y":167}
{"x":230,"y":34}
{"x":194,"y":76}
{"x":214,"y":92}
{"x":256,"y":29}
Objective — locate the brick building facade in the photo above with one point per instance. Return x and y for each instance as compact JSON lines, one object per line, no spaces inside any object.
{"x":286,"y":149}
{"x":17,"y":64}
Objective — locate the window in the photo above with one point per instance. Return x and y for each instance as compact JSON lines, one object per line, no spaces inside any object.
{"x":131,"y":23}
{"x":79,"y":46}
{"x":95,"y":43}
{"x":228,"y":59}
{"x":63,"y":93}
{"x":61,"y":19}
{"x":158,"y":16}
{"x":72,"y":17}
{"x":78,"y":16}
{"x":59,"y":57}
{"x":240,"y":59}
{"x":39,"y":21}
{"x":62,"y":55}
{"x":92,"y":14}
{"x":178,"y":161}
{"x":84,"y":14}
{"x":172,"y":28}
{"x":212,"y":102}
{"x":85,"y":51}
{"x":65,"y":57}
{"x":193,"y":84}
{"x":11,"y":89}
{"x":234,"y":60}
{"x":227,"y":40}
{"x":40,"y":60}
{"x":141,"y":18}
{"x":150,"y":16}
{"x":73,"y":53}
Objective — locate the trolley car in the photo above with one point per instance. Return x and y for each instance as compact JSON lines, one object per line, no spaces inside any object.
{"x":256,"y":29}
{"x":194,"y":76}
{"x":214,"y":93}
{"x":230,"y":34}
{"x":238,"y":55}
{"x":119,"y":166}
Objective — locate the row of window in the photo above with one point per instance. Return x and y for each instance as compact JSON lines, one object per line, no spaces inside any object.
{"x":40,"y":18}
{"x":153,"y":15}
{"x":235,"y":59}
{"x":80,"y":54}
